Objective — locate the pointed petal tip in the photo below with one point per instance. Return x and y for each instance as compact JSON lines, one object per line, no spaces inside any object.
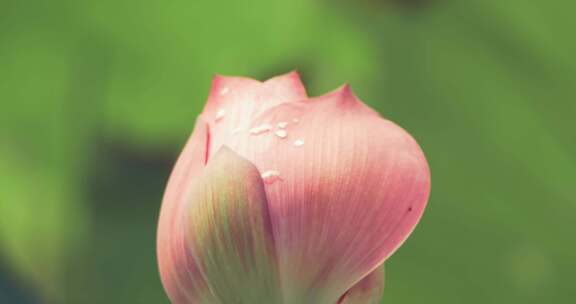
{"x":296,"y":78}
{"x":292,"y":75}
{"x":345,"y":91}
{"x":228,"y":159}
{"x":224,"y":154}
{"x":343,"y":96}
{"x":291,"y":81}
{"x":216,"y":86}
{"x":217,"y":80}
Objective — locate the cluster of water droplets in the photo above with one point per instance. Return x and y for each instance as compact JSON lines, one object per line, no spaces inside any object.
{"x":280,"y":131}
{"x":269,"y":176}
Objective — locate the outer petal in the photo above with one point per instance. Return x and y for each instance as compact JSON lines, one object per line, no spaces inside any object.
{"x":350,"y":188}
{"x":241,"y":99}
{"x":174,"y":261}
{"x":235,"y":101}
{"x":229,"y":235}
{"x":368,"y":291}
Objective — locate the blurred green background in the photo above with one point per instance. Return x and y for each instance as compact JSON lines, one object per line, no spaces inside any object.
{"x":98,"y":96}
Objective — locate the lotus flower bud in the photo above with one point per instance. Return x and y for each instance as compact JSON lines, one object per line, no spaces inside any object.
{"x":282,"y":198}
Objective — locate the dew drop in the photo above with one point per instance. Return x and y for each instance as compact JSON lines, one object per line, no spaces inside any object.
{"x":236,"y":131}
{"x":296,"y":120}
{"x":281,"y":133}
{"x":299,"y":142}
{"x":282,"y":125}
{"x":260,"y":129}
{"x":224,"y":91}
{"x":220,"y":114}
{"x":271,"y":176}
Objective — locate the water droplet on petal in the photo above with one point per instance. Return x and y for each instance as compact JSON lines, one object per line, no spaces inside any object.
{"x":271,"y":176}
{"x":295,"y":120}
{"x":299,"y":142}
{"x":260,"y":129}
{"x":220,"y":114}
{"x":281,"y":133}
{"x":224,"y":91}
{"x":282,"y":125}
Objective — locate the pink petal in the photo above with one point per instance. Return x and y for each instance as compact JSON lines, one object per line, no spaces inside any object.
{"x":175,"y":264}
{"x":235,"y":101}
{"x":172,"y":254}
{"x":227,"y":237}
{"x":368,"y":291}
{"x":343,"y":201}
